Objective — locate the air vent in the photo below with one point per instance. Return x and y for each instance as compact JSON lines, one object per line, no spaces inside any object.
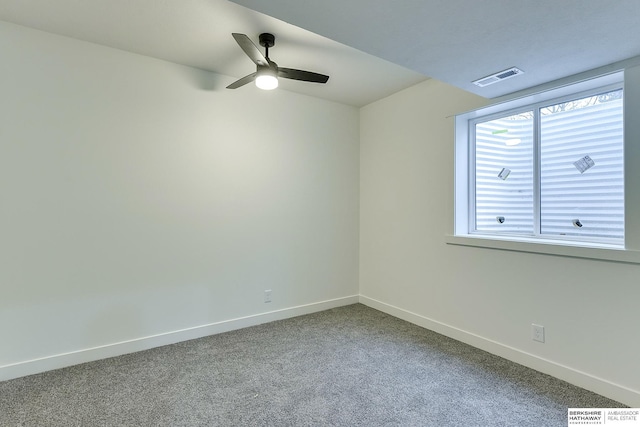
{"x":498,"y":77}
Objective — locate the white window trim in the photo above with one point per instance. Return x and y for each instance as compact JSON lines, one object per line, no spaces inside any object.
{"x":534,"y":108}
{"x":460,"y":234}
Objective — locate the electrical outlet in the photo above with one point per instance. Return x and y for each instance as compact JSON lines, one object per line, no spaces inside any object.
{"x":537,"y":332}
{"x":267,"y":295}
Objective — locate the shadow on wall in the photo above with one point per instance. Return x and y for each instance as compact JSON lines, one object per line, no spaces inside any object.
{"x":204,"y":80}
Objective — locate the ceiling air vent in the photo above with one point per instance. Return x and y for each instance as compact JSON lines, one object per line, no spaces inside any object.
{"x":498,"y":77}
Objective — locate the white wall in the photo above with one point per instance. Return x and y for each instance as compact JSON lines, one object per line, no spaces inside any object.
{"x":140,"y":198}
{"x":486,"y":297}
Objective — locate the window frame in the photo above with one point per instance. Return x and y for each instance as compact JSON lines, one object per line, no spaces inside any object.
{"x":461,"y":220}
{"x":535,"y":108}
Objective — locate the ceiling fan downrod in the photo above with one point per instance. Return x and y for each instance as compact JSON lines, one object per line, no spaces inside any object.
{"x":267,"y":40}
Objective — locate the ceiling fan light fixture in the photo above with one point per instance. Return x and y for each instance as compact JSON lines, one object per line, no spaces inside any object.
{"x":266,"y":79}
{"x":268,"y":72}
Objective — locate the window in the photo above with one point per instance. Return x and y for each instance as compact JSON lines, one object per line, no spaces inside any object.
{"x":548,"y":168}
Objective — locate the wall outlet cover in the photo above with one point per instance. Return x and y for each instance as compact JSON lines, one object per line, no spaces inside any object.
{"x":537,"y":332}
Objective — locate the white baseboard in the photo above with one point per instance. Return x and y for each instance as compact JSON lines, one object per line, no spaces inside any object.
{"x":601,"y":386}
{"x":57,"y":361}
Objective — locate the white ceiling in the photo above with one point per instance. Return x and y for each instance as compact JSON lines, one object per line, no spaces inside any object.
{"x":458,"y":41}
{"x":197,"y":33}
{"x":455,"y":41}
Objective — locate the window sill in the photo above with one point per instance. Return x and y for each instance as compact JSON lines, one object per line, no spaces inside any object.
{"x":557,"y":248}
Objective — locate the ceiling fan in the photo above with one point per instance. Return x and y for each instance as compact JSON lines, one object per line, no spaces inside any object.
{"x":267,"y":73}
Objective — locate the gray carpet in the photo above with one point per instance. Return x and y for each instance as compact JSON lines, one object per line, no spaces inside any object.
{"x":348,"y":366}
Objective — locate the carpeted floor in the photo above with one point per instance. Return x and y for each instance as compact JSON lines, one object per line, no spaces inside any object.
{"x":349,"y":366}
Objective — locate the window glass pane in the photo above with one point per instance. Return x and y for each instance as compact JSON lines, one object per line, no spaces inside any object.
{"x":504,"y":174}
{"x":582,"y":179}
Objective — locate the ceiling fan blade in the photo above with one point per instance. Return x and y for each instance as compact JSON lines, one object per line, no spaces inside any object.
{"x":307,"y":76}
{"x":250,"y":49}
{"x":243,"y":81}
